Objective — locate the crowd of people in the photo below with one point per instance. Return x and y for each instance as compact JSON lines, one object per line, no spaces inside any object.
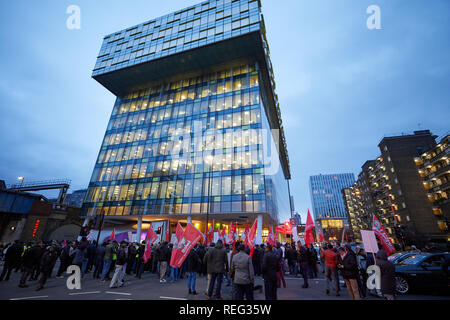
{"x":236,"y":264}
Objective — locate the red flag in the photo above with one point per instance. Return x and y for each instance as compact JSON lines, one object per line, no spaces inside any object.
{"x":178,"y":235}
{"x":223,"y":233}
{"x":167,"y":230}
{"x":309,"y":238}
{"x":210,"y":234}
{"x":383,"y":236}
{"x":252,"y":237}
{"x":321,"y":237}
{"x":189,"y":239}
{"x":113,"y":235}
{"x":246,"y":235}
{"x":149,"y":240}
{"x":271,"y":237}
{"x":276,"y":236}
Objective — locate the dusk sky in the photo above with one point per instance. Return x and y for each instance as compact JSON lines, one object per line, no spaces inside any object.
{"x":341,"y":86}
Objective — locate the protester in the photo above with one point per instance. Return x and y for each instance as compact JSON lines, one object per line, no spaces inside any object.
{"x":30,"y":259}
{"x":99,"y":260}
{"x":243,"y":275}
{"x":312,"y":262}
{"x":387,"y":269}
{"x":291,"y":256}
{"x":193,"y":266}
{"x":330,"y":260}
{"x":164,"y":259}
{"x":216,"y":259}
{"x":64,"y":259}
{"x":12,"y":259}
{"x":280,"y":273}
{"x":270,"y":269}
{"x":140,"y":263}
{"x":121,"y":264}
{"x":362,"y":268}
{"x":303,"y":263}
{"x":107,"y":261}
{"x":46,"y":266}
{"x":349,"y":267}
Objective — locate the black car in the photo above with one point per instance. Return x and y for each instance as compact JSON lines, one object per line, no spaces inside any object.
{"x":428,"y":271}
{"x":400,"y":256}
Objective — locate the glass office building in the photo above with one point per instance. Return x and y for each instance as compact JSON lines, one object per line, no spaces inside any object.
{"x":196,"y":127}
{"x":328,"y":203}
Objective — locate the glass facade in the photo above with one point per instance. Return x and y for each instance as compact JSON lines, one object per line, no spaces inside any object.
{"x":195,"y":142}
{"x":326,"y":196}
{"x":190,"y":28}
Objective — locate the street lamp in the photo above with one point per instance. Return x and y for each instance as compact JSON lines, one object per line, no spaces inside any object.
{"x":21,"y":180}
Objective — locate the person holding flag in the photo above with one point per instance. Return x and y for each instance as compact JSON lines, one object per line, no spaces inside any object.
{"x":173,"y":269}
{"x":145,"y":251}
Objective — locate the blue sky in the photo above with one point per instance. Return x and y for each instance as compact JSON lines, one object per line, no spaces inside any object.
{"x":341,"y":86}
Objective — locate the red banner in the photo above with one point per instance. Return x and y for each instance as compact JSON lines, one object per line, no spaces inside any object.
{"x":383,"y":236}
{"x":271,"y":237}
{"x":178,"y":235}
{"x":309,"y":238}
{"x":252,"y":237}
{"x":113,"y":235}
{"x":189,"y":239}
{"x":149,"y":240}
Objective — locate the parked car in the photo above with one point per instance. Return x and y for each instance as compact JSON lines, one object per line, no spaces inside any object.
{"x":423,"y":271}
{"x":400,"y":256}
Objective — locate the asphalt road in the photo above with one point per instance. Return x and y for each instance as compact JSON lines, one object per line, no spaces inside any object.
{"x":149,"y":288}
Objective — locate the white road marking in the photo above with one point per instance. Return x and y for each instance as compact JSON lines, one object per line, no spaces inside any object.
{"x":78,"y":293}
{"x":172,"y":298}
{"x":122,"y":293}
{"x":124,"y":299}
{"x":37,"y":297}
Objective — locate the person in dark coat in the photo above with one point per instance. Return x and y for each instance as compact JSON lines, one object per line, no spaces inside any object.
{"x":131,"y":259}
{"x":12,"y":259}
{"x":348,"y":264}
{"x":29,"y":261}
{"x":140,"y":263}
{"x":312,"y":261}
{"x":270,"y":268}
{"x":201,"y":254}
{"x":64,"y":259}
{"x":303,"y":257}
{"x":99,"y":257}
{"x":193,"y":266}
{"x":387,"y":269}
{"x":217,"y":262}
{"x":47,"y":263}
{"x":291,"y":256}
{"x":164,"y":259}
{"x":38,"y":255}
{"x":256,"y":260}
{"x":91,"y":250}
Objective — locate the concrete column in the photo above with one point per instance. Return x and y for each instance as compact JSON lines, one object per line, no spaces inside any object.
{"x":259,"y":229}
{"x":139,"y":229}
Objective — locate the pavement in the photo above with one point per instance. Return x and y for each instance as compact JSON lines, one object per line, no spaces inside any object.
{"x":149,"y":288}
